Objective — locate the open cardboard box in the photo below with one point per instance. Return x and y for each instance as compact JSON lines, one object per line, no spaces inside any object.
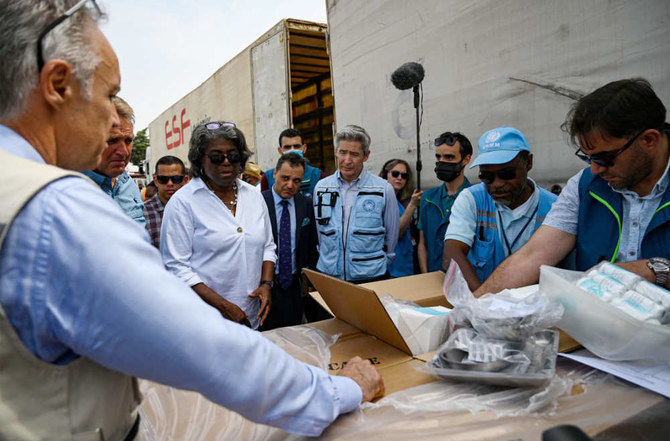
{"x":367,"y":330}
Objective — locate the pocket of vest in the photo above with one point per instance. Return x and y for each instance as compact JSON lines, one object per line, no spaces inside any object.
{"x":368,"y":233}
{"x":366,"y":259}
{"x":327,"y":233}
{"x":482,"y":253}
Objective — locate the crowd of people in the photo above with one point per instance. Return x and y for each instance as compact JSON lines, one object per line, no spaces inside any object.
{"x":176,"y":293}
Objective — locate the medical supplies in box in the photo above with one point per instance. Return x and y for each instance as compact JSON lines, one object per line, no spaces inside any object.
{"x":612,"y":312}
{"x":498,"y":338}
{"x":423,"y":328}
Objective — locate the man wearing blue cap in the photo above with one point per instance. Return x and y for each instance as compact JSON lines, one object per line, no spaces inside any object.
{"x":493,"y":219}
{"x":617,"y":209}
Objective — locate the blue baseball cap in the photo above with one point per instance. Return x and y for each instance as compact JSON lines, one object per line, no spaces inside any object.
{"x":499,"y":146}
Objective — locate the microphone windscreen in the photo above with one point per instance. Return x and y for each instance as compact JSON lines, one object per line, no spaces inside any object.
{"x":408,"y":75}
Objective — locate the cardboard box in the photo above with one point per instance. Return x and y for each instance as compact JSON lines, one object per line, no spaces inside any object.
{"x":366,"y":328}
{"x":368,"y":331}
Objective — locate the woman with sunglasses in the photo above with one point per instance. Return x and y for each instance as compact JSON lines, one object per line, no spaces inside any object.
{"x":398,"y":173}
{"x":216,"y":233}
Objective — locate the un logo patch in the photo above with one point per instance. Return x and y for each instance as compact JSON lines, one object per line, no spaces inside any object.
{"x":492,"y":137}
{"x":369,"y":206}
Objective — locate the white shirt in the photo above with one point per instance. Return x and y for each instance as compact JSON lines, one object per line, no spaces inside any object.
{"x":201,"y":241}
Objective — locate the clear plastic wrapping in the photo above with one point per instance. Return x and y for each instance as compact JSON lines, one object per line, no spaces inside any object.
{"x":497,"y":339}
{"x":601,"y":326}
{"x":170,"y":414}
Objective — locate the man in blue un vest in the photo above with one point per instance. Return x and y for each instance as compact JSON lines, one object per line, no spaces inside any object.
{"x":292,"y":141}
{"x":356,"y":214}
{"x":495,"y":218}
{"x":618,"y":209}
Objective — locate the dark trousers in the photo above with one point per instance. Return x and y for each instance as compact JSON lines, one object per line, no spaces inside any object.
{"x":287,"y":308}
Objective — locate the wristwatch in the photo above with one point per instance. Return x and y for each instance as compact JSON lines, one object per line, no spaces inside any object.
{"x":272,"y":284}
{"x":660,"y":266}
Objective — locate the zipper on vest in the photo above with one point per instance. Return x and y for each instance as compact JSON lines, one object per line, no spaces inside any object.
{"x":344,"y":236}
{"x":365,"y":233}
{"x":618,"y":220}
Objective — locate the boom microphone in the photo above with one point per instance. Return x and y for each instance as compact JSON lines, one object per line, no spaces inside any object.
{"x":407,"y":76}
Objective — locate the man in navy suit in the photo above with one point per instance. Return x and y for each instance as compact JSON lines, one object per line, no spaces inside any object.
{"x":294,"y":232}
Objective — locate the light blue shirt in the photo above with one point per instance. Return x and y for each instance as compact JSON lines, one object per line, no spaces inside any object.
{"x":348,"y":193}
{"x":78,"y":278}
{"x":637,"y":214}
{"x":124,"y":192}
{"x":279,"y":209}
{"x":515,"y":223}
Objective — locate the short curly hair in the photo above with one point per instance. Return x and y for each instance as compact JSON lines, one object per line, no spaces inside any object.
{"x":202,"y":137}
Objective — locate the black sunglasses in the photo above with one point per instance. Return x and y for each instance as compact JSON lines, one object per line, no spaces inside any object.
{"x":219,"y":124}
{"x":505,"y":174}
{"x":396,"y":173}
{"x":218,"y":158}
{"x":447,"y":139}
{"x":56,"y":22}
{"x":606,"y":159}
{"x":176,"y":179}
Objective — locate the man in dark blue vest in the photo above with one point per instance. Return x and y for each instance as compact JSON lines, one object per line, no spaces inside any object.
{"x":618,"y":209}
{"x":292,"y":141}
{"x":493,"y":219}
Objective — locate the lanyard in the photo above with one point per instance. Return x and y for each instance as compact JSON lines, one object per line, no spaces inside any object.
{"x":516,"y":239}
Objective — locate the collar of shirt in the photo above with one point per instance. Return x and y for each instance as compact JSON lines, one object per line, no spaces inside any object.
{"x":13,"y":143}
{"x":105,"y":182}
{"x":353,"y":183}
{"x":278,"y":200}
{"x":527,"y":207}
{"x":449,"y":198}
{"x":659,"y":187}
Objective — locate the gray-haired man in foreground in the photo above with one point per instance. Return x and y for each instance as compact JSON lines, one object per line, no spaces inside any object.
{"x":79,"y":320}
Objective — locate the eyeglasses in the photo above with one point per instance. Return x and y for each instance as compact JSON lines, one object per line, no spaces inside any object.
{"x":447,"y":139}
{"x":606,"y":159}
{"x":53,"y":24}
{"x":505,"y":174}
{"x":218,"y":125}
{"x":396,"y":173}
{"x":218,"y":158}
{"x":176,"y":179}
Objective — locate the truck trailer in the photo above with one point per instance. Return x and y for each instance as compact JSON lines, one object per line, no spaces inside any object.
{"x":488,"y":63}
{"x":281,"y":80}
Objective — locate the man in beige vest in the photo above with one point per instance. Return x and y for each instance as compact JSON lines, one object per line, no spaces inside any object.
{"x":85,"y":303}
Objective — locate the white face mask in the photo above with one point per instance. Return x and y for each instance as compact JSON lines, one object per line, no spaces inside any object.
{"x":297,"y":152}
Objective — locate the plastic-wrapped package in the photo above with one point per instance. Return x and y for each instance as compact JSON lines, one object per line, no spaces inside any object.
{"x":600,"y":326}
{"x":424,"y":329}
{"x":497,"y":339}
{"x":170,"y":414}
{"x":628,"y":292}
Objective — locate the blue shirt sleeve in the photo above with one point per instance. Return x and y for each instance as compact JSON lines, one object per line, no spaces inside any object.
{"x":78,"y":276}
{"x":565,"y":210}
{"x":463,"y":220}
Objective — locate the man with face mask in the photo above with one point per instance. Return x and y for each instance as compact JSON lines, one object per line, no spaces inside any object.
{"x":495,"y":218}
{"x":292,"y":141}
{"x":452,"y":152}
